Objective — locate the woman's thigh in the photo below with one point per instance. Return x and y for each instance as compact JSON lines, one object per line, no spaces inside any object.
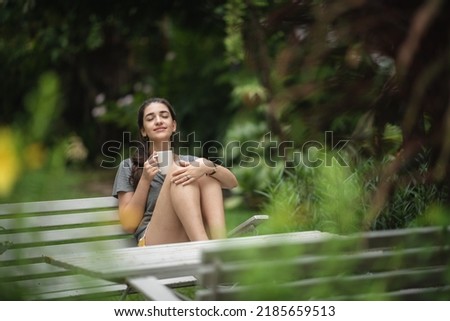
{"x":165,"y":226}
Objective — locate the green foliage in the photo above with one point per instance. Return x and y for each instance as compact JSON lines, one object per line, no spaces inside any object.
{"x":234,"y":19}
{"x":434,"y":215}
{"x":317,"y":72}
{"x":336,"y":199}
{"x":137,"y":49}
{"x":414,"y":200}
{"x":43,"y":106}
{"x":95,"y":37}
{"x":41,"y":157}
{"x":249,"y":150}
{"x":248,"y":91}
{"x":325,"y":197}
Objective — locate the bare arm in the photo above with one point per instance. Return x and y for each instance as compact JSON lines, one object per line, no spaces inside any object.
{"x":201,"y":167}
{"x":132,"y":204}
{"x":223,"y":175}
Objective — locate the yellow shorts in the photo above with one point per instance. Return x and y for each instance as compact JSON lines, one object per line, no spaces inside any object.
{"x":141,"y":242}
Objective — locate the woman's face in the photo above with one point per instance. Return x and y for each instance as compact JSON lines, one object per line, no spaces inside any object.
{"x":158,"y":124}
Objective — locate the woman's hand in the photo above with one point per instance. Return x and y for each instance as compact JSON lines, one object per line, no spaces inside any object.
{"x":150,"y":167}
{"x":187,"y":172}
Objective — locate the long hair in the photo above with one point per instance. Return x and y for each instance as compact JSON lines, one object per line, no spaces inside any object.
{"x":143,"y":150}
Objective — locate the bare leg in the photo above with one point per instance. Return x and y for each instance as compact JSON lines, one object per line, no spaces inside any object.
{"x":212,"y":207}
{"x":187,"y":205}
{"x":177,"y":216}
{"x":165,"y":226}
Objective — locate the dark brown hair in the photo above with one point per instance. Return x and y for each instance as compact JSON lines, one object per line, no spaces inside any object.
{"x":143,"y":150}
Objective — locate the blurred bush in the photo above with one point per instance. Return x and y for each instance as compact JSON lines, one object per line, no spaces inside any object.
{"x":34,"y":157}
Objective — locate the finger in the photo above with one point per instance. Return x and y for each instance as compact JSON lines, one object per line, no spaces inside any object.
{"x":180,"y":179}
{"x":178,"y":172}
{"x":149,"y":165}
{"x":184,"y":163}
{"x":186,"y":179}
{"x":153,"y":162}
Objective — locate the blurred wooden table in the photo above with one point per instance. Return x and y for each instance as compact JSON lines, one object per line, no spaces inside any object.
{"x":164,"y":262}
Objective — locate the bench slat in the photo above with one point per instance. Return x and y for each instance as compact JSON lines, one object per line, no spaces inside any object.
{"x":55,"y":220}
{"x":153,"y":288}
{"x":28,"y":271}
{"x":100,"y":292}
{"x":69,"y":235}
{"x":59,"y":205}
{"x":52,"y":250}
{"x":61,"y":283}
{"x":419,"y":237}
{"x":78,"y":293}
{"x":322,"y":266}
{"x":334,"y":287}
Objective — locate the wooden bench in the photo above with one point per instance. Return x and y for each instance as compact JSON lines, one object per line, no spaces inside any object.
{"x":28,"y":231}
{"x":404,"y":264}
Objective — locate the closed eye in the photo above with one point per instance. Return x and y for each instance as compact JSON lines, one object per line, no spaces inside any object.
{"x":163,"y":114}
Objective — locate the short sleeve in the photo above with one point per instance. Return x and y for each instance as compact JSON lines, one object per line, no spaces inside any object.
{"x":188,"y":158}
{"x":122,"y":180}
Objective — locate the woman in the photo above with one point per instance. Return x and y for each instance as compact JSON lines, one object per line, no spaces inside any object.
{"x":186,"y":204}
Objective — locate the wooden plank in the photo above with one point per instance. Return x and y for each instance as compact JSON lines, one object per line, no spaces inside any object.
{"x":92,"y":293}
{"x":343,"y":244}
{"x":390,"y":281}
{"x":62,"y":235}
{"x":44,"y":220}
{"x":59,"y":205}
{"x":419,"y":294}
{"x":321,"y":265}
{"x":423,"y":294}
{"x":13,"y":255}
{"x":60,"y":283}
{"x":408,"y":237}
{"x":162,"y":261}
{"x":152,"y":288}
{"x":42,"y":278}
{"x":28,"y":271}
{"x":378,"y":286}
{"x":179,"y":282}
{"x":249,"y":225}
{"x":117,"y":265}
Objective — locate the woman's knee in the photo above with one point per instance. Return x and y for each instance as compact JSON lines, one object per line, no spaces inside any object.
{"x":185,"y":190}
{"x":206,"y":182}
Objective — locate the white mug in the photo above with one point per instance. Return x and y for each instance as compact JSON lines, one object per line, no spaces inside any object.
{"x":165,"y":160}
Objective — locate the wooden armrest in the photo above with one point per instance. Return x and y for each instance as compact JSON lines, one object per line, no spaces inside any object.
{"x":153,"y":289}
{"x":248,"y":225}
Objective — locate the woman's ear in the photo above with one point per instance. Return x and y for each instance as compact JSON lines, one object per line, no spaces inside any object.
{"x":174,"y":126}
{"x":143,"y":133}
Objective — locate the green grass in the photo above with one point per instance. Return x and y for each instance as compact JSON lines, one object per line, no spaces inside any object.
{"x":62,"y":184}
